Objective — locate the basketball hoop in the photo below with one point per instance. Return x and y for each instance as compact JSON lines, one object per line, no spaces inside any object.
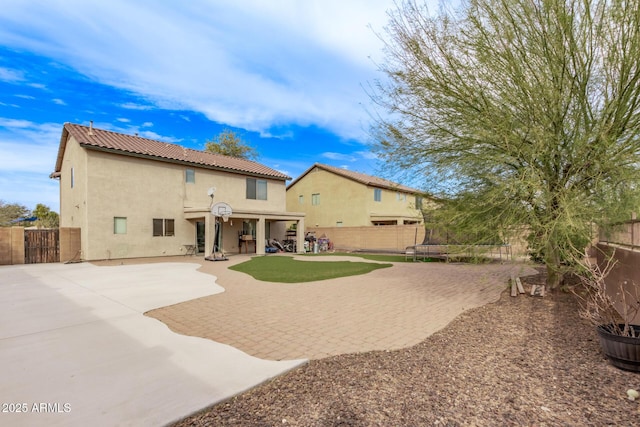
{"x":222,"y":209}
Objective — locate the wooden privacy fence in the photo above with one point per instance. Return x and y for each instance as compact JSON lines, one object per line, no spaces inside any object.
{"x":41,"y":246}
{"x":20,"y":246}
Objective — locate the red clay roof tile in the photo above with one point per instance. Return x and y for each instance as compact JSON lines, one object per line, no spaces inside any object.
{"x":365,"y":179}
{"x":99,"y":139}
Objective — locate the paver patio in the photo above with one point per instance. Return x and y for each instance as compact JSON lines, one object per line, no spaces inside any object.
{"x":386,"y":309}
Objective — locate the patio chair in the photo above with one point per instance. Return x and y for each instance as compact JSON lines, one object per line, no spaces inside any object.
{"x":410,"y":252}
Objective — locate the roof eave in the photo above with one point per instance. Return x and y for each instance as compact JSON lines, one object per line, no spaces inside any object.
{"x":61,"y":149}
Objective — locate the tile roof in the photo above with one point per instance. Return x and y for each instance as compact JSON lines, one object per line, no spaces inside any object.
{"x":98,"y":139}
{"x":362,"y":178}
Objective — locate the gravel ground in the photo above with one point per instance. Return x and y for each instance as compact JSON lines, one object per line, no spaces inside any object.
{"x":521,"y":361}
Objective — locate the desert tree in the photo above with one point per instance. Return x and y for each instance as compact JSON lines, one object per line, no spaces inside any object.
{"x":10,"y":212}
{"x":46,"y":217}
{"x":229,"y":143}
{"x":520,"y":112}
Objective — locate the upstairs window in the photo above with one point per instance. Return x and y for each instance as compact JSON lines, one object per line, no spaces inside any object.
{"x":301,"y":199}
{"x":190,"y":176}
{"x":377,"y":195}
{"x":256,"y":189}
{"x":315,"y":199}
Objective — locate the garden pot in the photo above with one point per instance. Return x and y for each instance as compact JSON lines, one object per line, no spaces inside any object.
{"x":623,"y":352}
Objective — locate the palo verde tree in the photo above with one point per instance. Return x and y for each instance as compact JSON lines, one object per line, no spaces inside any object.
{"x":229,"y":143}
{"x":527,"y":109}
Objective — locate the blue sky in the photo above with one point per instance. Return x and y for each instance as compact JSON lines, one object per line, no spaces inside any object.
{"x":288,"y":76}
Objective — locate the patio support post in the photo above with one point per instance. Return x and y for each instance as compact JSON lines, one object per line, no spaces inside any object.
{"x":300,"y":235}
{"x":260,"y":235}
{"x":209,"y":231}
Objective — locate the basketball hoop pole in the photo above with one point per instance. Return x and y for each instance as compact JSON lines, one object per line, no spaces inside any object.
{"x":220,"y":209}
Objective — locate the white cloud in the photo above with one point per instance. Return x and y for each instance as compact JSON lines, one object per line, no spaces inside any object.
{"x":29,"y":153}
{"x":350,"y":157}
{"x":249,"y":64}
{"x":11,"y":76}
{"x":339,"y":156}
{"x":28,"y":146}
{"x":132,"y":106}
{"x":369,"y":155}
{"x":123,"y":120}
{"x":153,"y":135}
{"x":58,"y":101}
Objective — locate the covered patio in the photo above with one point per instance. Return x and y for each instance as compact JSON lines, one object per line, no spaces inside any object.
{"x":244,"y":231}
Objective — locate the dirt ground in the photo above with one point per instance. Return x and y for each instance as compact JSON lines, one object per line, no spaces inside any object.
{"x":522,"y":361}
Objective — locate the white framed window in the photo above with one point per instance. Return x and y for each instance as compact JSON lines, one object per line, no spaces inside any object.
{"x":402,"y":197}
{"x":301,"y":199}
{"x":315,"y":199}
{"x":119,"y":225}
{"x":377,"y":195}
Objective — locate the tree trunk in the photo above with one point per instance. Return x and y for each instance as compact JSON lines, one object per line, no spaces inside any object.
{"x":555,"y":278}
{"x":555,"y":274}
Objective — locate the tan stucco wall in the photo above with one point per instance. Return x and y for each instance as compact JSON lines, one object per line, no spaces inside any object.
{"x":392,"y":238}
{"x":108,"y":185}
{"x":11,"y":245}
{"x":5,"y":246}
{"x":346,"y":201}
{"x":73,"y":201}
{"x":70,"y":245}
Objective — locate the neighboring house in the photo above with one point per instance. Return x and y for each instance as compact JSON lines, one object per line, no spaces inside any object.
{"x":335,"y":197}
{"x":136,"y":197}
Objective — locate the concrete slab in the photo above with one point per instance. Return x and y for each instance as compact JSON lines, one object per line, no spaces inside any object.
{"x":77,"y":350}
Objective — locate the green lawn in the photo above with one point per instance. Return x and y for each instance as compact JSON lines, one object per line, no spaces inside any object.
{"x":285,"y":269}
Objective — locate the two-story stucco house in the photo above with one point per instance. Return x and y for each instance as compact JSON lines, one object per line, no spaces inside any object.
{"x":335,"y":197}
{"x":136,"y":197}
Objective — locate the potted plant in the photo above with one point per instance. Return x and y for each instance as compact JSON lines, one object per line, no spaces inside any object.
{"x":611,"y":307}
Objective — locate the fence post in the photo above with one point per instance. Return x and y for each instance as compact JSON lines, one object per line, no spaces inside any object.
{"x":17,"y":245}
